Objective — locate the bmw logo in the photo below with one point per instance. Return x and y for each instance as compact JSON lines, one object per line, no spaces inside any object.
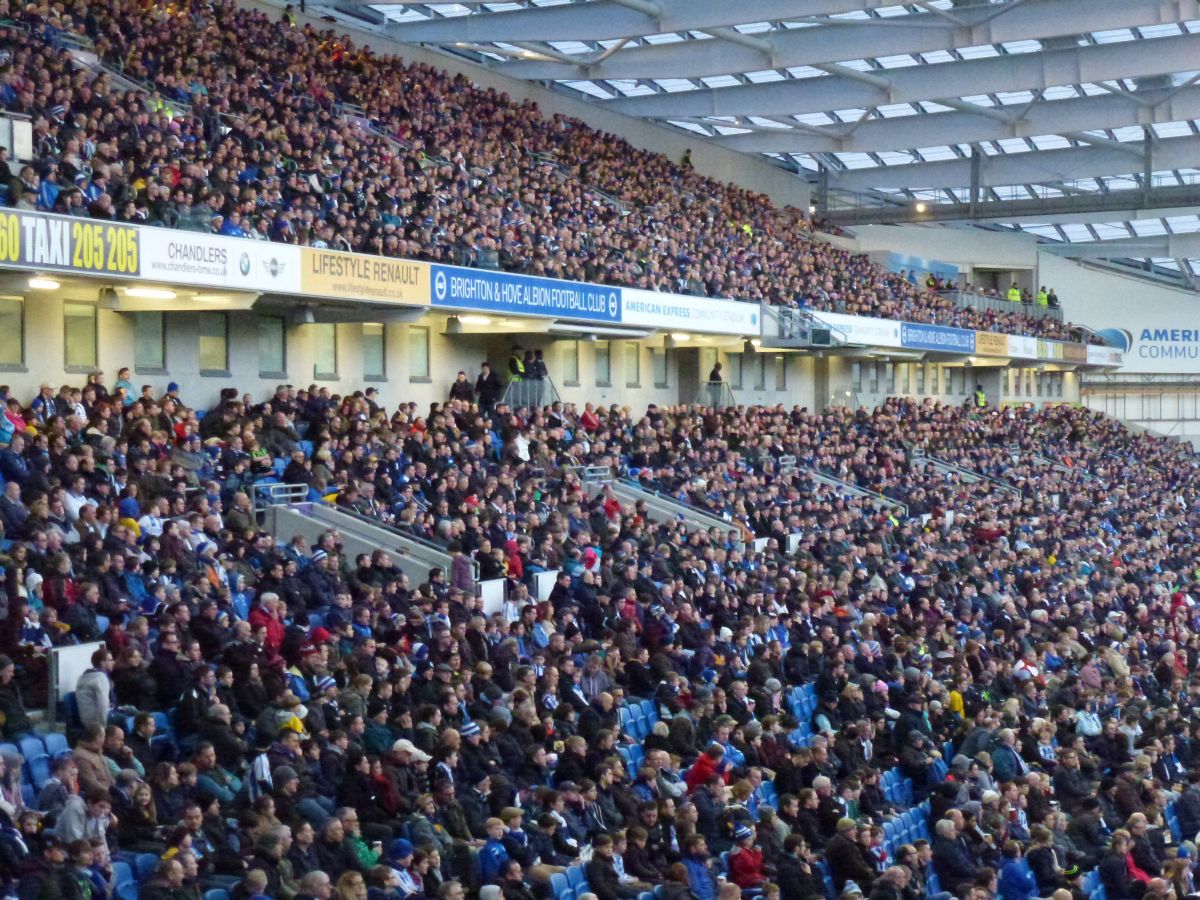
{"x":612,"y":305}
{"x":244,"y":264}
{"x":439,"y":286}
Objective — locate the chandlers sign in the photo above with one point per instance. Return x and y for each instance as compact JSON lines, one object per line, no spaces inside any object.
{"x":62,"y":243}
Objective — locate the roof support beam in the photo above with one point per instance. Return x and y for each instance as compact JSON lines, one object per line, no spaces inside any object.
{"x":1165,"y":246}
{"x":601,"y":20}
{"x":838,"y":40}
{"x":1026,"y":71}
{"x":1020,"y":168}
{"x":971,"y":124}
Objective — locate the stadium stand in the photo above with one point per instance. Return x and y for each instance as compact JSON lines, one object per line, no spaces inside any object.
{"x":249,"y":136}
{"x":971,"y":683}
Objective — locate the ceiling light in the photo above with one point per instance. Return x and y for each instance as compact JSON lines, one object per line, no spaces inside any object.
{"x":43,"y":284}
{"x":146,"y":293}
{"x":680,"y":336}
{"x":210,"y":298}
{"x":475,"y":320}
{"x":756,"y":342}
{"x":921,"y":207}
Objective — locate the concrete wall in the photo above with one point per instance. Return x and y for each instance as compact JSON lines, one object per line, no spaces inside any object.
{"x":753,"y":173}
{"x":755,"y":377}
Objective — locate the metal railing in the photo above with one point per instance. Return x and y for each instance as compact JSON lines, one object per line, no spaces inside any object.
{"x":919,"y":456}
{"x":591,"y":474}
{"x":984,"y":303}
{"x":879,"y":500}
{"x":530,"y":393}
{"x":716,"y":394}
{"x":263,"y":496}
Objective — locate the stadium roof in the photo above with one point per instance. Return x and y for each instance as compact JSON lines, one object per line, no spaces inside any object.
{"x":880,"y":101}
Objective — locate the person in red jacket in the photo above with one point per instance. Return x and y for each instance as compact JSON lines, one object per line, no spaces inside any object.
{"x":710,"y":762}
{"x":746,"y":860}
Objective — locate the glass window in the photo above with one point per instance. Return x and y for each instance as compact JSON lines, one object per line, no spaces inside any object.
{"x":933,"y":378}
{"x":760,"y":371}
{"x":919,"y":376}
{"x":633,"y":364}
{"x":658,"y":358}
{"x":873,"y":377}
{"x":374,"y":350}
{"x":856,"y":376}
{"x":570,"y":362}
{"x":418,"y":352}
{"x":149,"y":351}
{"x":889,"y":377}
{"x":733,"y":369}
{"x":903,"y":377}
{"x":780,"y":372}
{"x":12,"y":331}
{"x":272,"y":345}
{"x":214,"y":342}
{"x":79,"y":334}
{"x":325,"y":356}
{"x":603,"y":364}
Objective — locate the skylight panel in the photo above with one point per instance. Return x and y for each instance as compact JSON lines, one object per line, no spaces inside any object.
{"x":857,"y":161}
{"x":937,"y":153}
{"x":1051,"y":142}
{"x":1076,"y":232}
{"x":1171,"y":129}
{"x":1148,"y":228}
{"x":765,"y":76}
{"x":984,"y":51}
{"x":1047,"y":231}
{"x":1113,"y":37}
{"x":720,"y":81}
{"x":1109,"y":231}
{"x":675,"y":85}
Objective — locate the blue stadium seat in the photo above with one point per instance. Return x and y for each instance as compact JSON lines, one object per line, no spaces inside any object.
{"x":55,"y":743}
{"x":649,"y":713}
{"x":125,"y":888}
{"x":575,"y":878}
{"x":145,"y":865}
{"x":560,"y":887}
{"x":216,"y":894}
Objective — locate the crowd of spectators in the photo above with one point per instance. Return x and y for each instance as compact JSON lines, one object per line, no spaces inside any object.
{"x":242,"y":130}
{"x":272,"y":718}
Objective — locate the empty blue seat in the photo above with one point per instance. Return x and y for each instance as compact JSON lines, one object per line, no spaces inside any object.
{"x":145,"y":864}
{"x":39,"y":771}
{"x":575,"y":877}
{"x":649,"y":713}
{"x":55,"y":743}
{"x":7,"y":749}
{"x":216,"y":894}
{"x":123,"y":883}
{"x":560,"y":887}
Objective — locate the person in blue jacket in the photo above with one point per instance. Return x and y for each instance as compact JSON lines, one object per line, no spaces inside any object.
{"x":493,"y":857}
{"x":1016,"y":880}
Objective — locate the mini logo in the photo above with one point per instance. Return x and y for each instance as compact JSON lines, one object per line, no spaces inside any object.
{"x":1120,"y":338}
{"x":439,"y":286}
{"x":612,"y":305}
{"x":273,"y":266}
{"x":244,"y":264}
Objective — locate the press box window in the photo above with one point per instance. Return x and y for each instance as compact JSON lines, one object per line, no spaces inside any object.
{"x":570,"y":363}
{"x":658,"y":359}
{"x":633,"y":364}
{"x":325,"y":355}
{"x":418,"y":353}
{"x":603,"y":364}
{"x":374,"y":351}
{"x":214,"y":343}
{"x":149,"y":342}
{"x":79,"y":335}
{"x":272,"y":346}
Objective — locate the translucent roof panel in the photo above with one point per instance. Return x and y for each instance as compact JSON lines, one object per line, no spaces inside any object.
{"x":870,"y":115}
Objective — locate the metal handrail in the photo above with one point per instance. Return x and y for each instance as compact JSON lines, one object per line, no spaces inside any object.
{"x":274,"y":493}
{"x":962,"y":471}
{"x":532,"y":393}
{"x":726,"y":518}
{"x":855,"y":490}
{"x":985,"y":303}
